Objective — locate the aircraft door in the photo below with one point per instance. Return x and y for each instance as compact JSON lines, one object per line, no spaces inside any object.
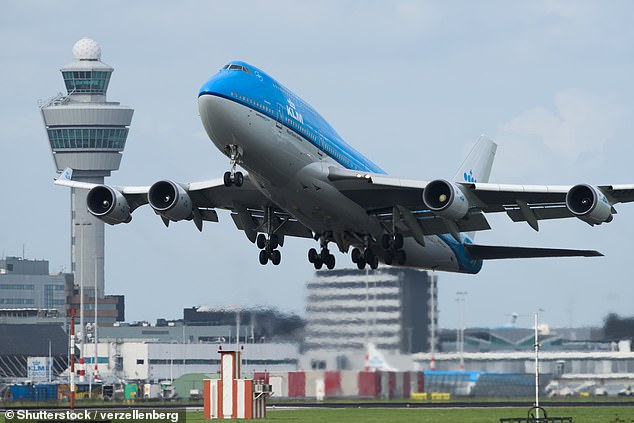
{"x":280,"y":118}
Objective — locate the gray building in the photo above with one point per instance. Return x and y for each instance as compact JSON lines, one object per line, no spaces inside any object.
{"x":27,"y":284}
{"x":88,"y":134}
{"x":347,"y":309}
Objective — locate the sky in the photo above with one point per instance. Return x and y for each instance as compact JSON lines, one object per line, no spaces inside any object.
{"x":410,"y":84}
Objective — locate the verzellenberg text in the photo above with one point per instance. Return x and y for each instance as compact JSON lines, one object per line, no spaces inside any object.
{"x":97,"y":415}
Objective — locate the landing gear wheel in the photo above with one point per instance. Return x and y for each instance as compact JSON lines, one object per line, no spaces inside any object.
{"x":374,"y":263}
{"x":276,"y":257}
{"x":385,"y":242}
{"x":398,"y":241}
{"x":318,"y":264}
{"x":361,"y":264}
{"x":401,"y":257}
{"x":312,"y":255}
{"x":238,"y":179}
{"x":261,"y":241}
{"x":368,"y":255}
{"x":329,"y":261}
{"x":227,"y":179}
{"x":273,"y":242}
{"x":356,"y":255}
{"x":389,"y":257}
{"x":264,"y":257}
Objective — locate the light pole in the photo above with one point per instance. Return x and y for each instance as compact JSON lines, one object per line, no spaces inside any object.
{"x":81,"y":303}
{"x":95,"y":330}
{"x":460,"y":298}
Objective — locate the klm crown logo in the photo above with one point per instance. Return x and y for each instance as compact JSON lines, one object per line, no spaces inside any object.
{"x":468,"y":177}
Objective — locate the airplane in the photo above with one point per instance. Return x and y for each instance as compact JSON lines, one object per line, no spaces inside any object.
{"x":304,"y":180}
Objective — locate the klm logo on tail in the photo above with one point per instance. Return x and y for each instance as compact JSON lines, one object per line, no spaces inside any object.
{"x":468,"y":177}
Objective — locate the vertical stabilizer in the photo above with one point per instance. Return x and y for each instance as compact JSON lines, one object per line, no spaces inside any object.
{"x":375,"y":361}
{"x":477,"y":166}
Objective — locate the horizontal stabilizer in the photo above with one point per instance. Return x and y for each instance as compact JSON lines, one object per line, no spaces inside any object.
{"x":493,"y":252}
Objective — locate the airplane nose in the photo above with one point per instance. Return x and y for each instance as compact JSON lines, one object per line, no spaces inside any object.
{"x":215,"y":114}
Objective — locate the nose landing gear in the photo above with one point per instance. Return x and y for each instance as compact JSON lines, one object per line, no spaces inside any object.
{"x":234,"y":177}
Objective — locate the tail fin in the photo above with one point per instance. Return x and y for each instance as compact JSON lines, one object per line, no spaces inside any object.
{"x":374,"y":360}
{"x":477,"y":166}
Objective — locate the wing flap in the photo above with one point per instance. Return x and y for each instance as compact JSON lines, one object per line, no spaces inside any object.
{"x":494,"y":252}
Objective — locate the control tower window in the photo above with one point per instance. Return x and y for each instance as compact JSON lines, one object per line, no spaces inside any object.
{"x":97,"y":138}
{"x":86,"y":82}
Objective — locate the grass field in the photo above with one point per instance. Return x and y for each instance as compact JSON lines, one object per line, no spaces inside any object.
{"x":581,"y":414}
{"x":621,"y":414}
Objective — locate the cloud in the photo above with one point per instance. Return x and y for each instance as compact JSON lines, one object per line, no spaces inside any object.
{"x":581,"y":123}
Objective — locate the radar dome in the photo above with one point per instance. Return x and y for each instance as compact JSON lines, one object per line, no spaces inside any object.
{"x":86,"y":49}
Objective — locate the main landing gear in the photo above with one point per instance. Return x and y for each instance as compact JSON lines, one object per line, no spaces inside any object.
{"x":393,"y":246}
{"x":366,"y":258}
{"x":234,"y":177}
{"x":323,"y":257}
{"x":319,"y":259}
{"x":268,"y":247}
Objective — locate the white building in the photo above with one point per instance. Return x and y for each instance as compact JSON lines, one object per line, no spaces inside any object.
{"x":155,"y":361}
{"x":347,"y":309}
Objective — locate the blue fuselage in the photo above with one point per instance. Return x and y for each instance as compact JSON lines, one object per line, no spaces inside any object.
{"x":287,"y":148}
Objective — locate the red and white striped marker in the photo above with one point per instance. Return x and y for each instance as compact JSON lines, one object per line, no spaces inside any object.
{"x":231,"y":397}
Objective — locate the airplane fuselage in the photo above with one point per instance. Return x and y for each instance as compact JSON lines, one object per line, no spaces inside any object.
{"x":288,"y":148}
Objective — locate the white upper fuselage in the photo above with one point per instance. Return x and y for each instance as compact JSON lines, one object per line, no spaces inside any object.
{"x":288,"y":148}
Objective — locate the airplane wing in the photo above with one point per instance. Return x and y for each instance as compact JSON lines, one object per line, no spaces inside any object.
{"x":441,"y":206}
{"x":251,"y":211}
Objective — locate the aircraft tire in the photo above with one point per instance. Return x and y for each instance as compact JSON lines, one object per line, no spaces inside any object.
{"x":330,"y":261}
{"x":312,"y":255}
{"x":264,"y":257}
{"x":273,"y":242}
{"x":238,"y":179}
{"x":227,"y":179}
{"x":385,"y":242}
{"x":261,"y":241}
{"x":401,"y":257}
{"x":398,"y":241}
{"x":355,"y":255}
{"x":368,"y":255}
{"x":318,"y":264}
{"x":361,"y":264}
{"x":374,"y":263}
{"x":276,"y":257}
{"x":389,"y":257}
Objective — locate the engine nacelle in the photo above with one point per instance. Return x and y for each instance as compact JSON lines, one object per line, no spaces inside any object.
{"x":445,"y":199}
{"x":170,"y":200}
{"x":589,"y":204}
{"x":108,"y":205}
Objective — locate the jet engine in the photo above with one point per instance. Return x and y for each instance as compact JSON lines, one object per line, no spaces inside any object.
{"x":589,"y":204}
{"x":445,"y":199}
{"x":108,"y":205}
{"x":170,"y":200}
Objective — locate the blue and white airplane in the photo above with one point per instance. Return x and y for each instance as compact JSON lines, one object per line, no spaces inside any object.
{"x":304,"y":180}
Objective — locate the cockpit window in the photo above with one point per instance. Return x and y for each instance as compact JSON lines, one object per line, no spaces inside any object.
{"x":232,"y":66}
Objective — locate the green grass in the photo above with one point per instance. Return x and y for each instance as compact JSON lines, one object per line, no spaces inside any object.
{"x":610,"y":414}
{"x":623,"y":414}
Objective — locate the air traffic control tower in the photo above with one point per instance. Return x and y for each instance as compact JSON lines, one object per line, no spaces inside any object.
{"x":88,"y":134}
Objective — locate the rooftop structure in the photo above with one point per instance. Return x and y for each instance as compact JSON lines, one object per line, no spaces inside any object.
{"x":27,"y":284}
